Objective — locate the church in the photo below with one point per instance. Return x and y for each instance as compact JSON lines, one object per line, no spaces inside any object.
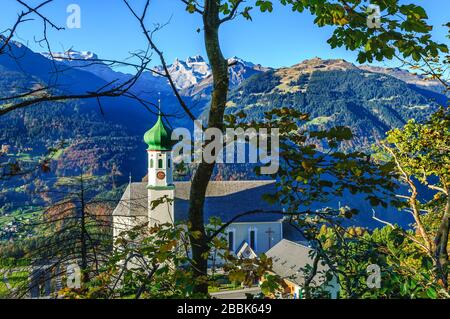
{"x":248,"y":236}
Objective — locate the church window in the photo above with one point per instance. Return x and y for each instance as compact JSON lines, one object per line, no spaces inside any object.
{"x":168,"y":162}
{"x":160,"y":163}
{"x":231,"y":240}
{"x":252,"y":238}
{"x":151,"y":163}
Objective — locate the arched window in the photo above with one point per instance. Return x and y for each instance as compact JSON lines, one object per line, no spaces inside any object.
{"x":160,"y":163}
{"x":252,"y":238}
{"x":230,"y":240}
{"x":151,"y":163}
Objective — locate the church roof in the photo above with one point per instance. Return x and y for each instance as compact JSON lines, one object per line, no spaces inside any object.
{"x":290,"y":258}
{"x":224,"y":199}
{"x":159,"y":137}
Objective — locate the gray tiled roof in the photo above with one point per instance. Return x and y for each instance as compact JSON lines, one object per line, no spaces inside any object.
{"x":288,"y":260}
{"x":220,"y":188}
{"x":133,"y":202}
{"x":224,"y":199}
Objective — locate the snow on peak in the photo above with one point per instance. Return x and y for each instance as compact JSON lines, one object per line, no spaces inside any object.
{"x":71,"y":55}
{"x":236,"y":60}
{"x":189,"y":72}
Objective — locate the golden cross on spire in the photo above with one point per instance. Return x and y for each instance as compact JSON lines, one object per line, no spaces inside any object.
{"x":159,"y":103}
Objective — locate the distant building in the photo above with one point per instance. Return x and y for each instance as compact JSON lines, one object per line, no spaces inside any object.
{"x":5,"y":149}
{"x":289,"y":259}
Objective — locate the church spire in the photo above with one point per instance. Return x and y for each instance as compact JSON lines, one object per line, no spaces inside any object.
{"x":159,"y":141}
{"x":159,"y":137}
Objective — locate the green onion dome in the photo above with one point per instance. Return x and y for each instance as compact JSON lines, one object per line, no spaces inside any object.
{"x":158,"y":138}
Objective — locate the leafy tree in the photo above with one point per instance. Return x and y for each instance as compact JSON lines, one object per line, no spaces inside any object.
{"x":421,"y":156}
{"x":405,"y":270}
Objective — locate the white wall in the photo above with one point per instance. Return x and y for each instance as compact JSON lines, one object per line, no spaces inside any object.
{"x":164,"y":212}
{"x":241,"y":232}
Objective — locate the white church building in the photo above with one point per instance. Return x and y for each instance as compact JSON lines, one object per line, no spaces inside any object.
{"x":224,"y":199}
{"x":248,"y":236}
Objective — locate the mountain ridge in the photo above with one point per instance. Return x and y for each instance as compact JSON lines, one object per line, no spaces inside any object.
{"x":193,"y":76}
{"x":257,"y":89}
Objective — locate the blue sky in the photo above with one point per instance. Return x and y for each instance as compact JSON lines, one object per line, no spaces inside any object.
{"x":279,"y":39}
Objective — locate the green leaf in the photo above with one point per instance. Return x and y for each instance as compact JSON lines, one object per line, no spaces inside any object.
{"x":264,"y":5}
{"x":432,"y":293}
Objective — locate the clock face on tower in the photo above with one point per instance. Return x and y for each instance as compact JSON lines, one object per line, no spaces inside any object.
{"x":160,"y":175}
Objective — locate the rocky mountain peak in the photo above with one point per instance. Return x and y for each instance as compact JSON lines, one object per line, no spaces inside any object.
{"x":195,"y":59}
{"x":194,"y":73}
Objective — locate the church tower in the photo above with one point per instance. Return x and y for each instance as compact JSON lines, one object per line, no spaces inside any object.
{"x":160,"y":180}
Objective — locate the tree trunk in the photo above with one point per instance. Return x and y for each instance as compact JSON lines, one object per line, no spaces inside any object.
{"x":219,"y":67}
{"x":412,"y":200}
{"x":83,"y":239}
{"x":441,"y":243}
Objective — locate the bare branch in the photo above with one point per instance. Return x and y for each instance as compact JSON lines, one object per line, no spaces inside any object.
{"x":148,"y":35}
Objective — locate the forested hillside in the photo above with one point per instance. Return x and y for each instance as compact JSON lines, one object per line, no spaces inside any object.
{"x":334,"y":92}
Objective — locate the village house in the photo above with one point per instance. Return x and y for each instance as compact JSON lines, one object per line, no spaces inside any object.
{"x":289,"y":262}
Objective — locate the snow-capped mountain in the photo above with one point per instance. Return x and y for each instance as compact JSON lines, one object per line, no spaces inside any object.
{"x":194,"y":78}
{"x":71,"y":55}
{"x":191,"y":76}
{"x":20,"y":61}
{"x":188,"y":73}
{"x":88,"y":61}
